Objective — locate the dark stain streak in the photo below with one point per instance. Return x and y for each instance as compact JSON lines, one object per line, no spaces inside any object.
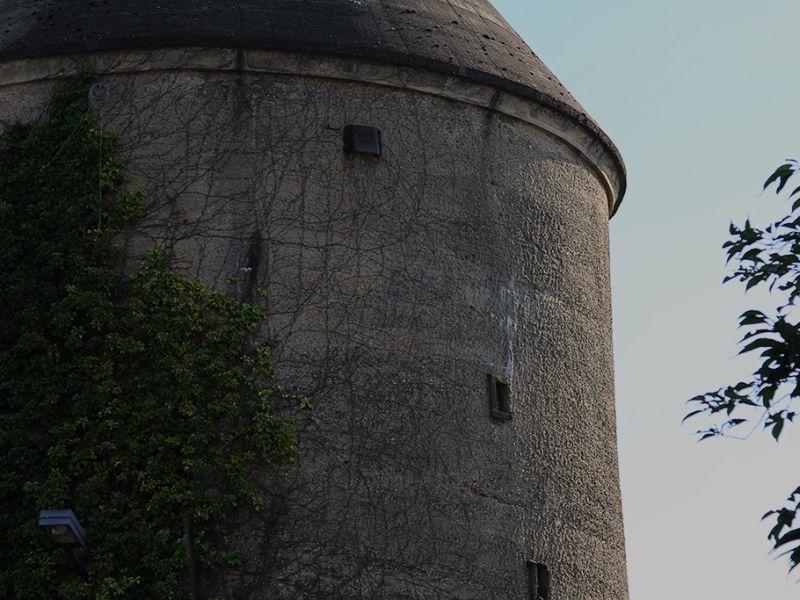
{"x":255,"y":256}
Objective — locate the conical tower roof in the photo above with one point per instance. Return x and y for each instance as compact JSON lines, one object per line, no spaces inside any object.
{"x":461,"y":37}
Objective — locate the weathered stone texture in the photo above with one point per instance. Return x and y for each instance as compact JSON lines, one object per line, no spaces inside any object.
{"x":477,"y":244}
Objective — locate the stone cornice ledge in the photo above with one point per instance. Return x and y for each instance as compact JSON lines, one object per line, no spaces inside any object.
{"x":461,"y":89}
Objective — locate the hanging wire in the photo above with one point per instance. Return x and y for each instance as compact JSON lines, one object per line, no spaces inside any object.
{"x":66,"y":141}
{"x":94,"y":98}
{"x":98,"y":94}
{"x":100,"y":176}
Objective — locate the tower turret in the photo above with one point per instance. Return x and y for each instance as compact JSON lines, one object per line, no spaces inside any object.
{"x":428,"y":209}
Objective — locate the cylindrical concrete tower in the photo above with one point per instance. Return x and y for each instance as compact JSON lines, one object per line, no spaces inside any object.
{"x":428,"y":209}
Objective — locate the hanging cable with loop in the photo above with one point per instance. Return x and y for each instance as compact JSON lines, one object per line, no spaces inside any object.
{"x":98,"y":94}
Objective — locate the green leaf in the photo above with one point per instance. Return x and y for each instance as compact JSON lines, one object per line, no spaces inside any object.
{"x":792,"y":536}
{"x":777,"y":427}
{"x":760,"y":343}
{"x":752,"y":255}
{"x":767,"y":393}
{"x":752,"y":317}
{"x":782,"y":174}
{"x":691,"y":414}
{"x":754,"y":281}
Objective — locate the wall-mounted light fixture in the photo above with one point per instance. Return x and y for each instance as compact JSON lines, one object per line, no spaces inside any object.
{"x":98,"y":94}
{"x":62,"y":529}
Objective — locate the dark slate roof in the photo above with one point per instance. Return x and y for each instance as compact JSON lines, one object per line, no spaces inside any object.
{"x":464,"y":37}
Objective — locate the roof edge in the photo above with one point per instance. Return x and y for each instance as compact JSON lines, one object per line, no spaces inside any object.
{"x":580,"y":119}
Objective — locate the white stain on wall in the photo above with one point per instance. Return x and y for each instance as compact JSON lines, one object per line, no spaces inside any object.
{"x":509,"y":299}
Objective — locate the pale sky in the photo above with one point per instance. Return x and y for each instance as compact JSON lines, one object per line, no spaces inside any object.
{"x":702,"y":98}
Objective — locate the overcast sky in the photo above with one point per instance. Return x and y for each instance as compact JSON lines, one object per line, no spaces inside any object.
{"x":702,"y":99}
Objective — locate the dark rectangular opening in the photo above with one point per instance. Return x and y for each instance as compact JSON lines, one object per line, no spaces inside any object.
{"x":362,"y":139}
{"x":538,"y":581}
{"x":499,"y":399}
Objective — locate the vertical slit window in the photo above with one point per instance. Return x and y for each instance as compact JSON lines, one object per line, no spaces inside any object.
{"x":499,"y":399}
{"x":538,"y":581}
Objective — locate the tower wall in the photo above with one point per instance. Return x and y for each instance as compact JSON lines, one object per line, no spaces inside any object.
{"x":476,"y":245}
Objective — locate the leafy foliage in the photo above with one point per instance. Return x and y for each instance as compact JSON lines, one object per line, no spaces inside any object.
{"x":135,"y":399}
{"x":769,"y":257}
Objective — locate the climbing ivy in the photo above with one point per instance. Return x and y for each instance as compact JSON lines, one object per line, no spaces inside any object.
{"x":136,"y":399}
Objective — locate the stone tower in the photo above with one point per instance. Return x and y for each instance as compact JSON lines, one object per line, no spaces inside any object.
{"x":438,"y":278}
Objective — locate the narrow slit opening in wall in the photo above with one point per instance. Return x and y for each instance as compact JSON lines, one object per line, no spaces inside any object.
{"x":538,"y":581}
{"x":499,"y":398}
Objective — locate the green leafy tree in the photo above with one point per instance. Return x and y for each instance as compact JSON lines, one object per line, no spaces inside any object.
{"x":767,"y":257}
{"x":136,"y":399}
